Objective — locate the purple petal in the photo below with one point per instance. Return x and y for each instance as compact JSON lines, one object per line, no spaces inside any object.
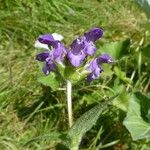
{"x":54,"y":44}
{"x":97,"y":71}
{"x":76,"y":60}
{"x":77,"y":46}
{"x":46,"y":39}
{"x":48,"y":68}
{"x":94,"y":34}
{"x":90,"y":48}
{"x":90,"y":77}
{"x":104,"y":58}
{"x":59,"y":52}
{"x":42,"y":56}
{"x":93,"y":65}
{"x":95,"y":74}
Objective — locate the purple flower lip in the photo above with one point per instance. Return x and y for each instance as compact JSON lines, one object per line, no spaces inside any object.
{"x":45,"y":39}
{"x":77,"y":46}
{"x":48,"y":68}
{"x":59,"y":52}
{"x":42,"y":56}
{"x":76,"y":60}
{"x":46,"y":57}
{"x":76,"y":55}
{"x":94,"y":34}
{"x":95,"y":68}
{"x":95,"y":74}
{"x":90,"y":38}
{"x":90,"y":48}
{"x":104,"y":58}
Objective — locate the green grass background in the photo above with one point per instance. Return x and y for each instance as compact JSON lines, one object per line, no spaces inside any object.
{"x":27,"y":109}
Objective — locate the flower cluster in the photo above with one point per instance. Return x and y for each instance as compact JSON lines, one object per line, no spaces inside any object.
{"x":80,"y":49}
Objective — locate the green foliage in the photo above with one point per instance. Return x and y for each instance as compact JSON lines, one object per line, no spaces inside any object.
{"x":121,"y":75}
{"x":139,"y":108}
{"x":146,"y":51}
{"x":50,"y":80}
{"x":123,"y":99}
{"x":85,"y":123}
{"x":72,"y":74}
{"x":31,"y":111}
{"x":117,"y":49}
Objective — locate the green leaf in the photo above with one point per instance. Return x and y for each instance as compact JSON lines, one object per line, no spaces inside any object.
{"x":145,"y":106}
{"x":134,"y":122}
{"x":51,"y":80}
{"x":121,"y":75}
{"x":146,"y":51}
{"x":107,"y":71}
{"x":116,"y":49}
{"x":122,"y":100}
{"x":74,"y":75}
{"x":85,"y":123}
{"x":145,"y":5}
{"x":90,"y":98}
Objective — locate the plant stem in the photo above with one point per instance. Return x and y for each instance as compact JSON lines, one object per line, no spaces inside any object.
{"x":69,"y":103}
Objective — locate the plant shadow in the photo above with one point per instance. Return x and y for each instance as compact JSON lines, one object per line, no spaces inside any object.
{"x":48,"y":98}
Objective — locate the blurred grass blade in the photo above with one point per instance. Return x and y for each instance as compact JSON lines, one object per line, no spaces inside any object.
{"x":145,"y":5}
{"x":107,"y":145}
{"x":85,"y":123}
{"x":53,"y":136}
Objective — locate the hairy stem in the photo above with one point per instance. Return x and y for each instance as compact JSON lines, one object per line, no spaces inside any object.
{"x":69,"y":103}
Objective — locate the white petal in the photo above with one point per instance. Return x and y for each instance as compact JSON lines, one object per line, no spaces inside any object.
{"x":57,"y":36}
{"x":37,"y":44}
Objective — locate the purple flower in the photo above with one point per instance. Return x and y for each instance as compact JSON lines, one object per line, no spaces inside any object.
{"x":46,"y":39}
{"x":90,"y":37}
{"x":94,"y":34}
{"x":104,"y":58}
{"x":58,"y":48}
{"x":83,"y":46}
{"x":43,"y":41}
{"x":95,"y":69}
{"x":76,"y":55}
{"x":48,"y":68}
{"x":79,"y":50}
{"x":57,"y":53}
{"x":46,"y":57}
{"x":95,"y":74}
{"x":42,"y":56}
{"x":76,"y":60}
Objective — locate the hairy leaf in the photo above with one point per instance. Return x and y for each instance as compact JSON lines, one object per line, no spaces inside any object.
{"x":50,"y":80}
{"x":85,"y":123}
